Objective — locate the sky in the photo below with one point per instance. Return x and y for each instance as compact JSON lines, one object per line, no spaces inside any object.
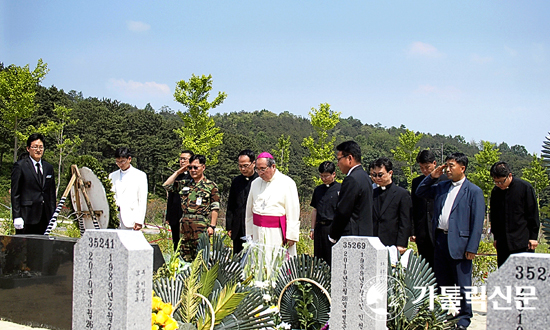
{"x":478,"y":69}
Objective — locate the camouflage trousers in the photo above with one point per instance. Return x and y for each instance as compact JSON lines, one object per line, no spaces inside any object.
{"x":190,"y":229}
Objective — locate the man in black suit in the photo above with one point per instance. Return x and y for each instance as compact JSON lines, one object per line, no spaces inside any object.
{"x":353,"y":216}
{"x":423,"y":208}
{"x":238,"y":196}
{"x":173,"y":204}
{"x":514,"y":213}
{"x":32,"y":190}
{"x":392,"y":207}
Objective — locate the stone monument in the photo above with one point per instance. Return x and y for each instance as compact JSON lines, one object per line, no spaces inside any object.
{"x":112,"y":282}
{"x":518,"y":293}
{"x":359,"y":284}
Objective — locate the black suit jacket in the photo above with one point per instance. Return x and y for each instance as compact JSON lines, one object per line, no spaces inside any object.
{"x":392,"y":218}
{"x":422,"y":212}
{"x":514,"y":214}
{"x":353,"y":216}
{"x":173,"y":204}
{"x":236,"y":205}
{"x":30,"y":199}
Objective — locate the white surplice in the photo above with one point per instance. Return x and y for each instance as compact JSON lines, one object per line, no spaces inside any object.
{"x":277,"y":197}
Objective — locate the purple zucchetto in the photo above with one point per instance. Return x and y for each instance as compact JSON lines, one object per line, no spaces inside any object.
{"x":265,"y":155}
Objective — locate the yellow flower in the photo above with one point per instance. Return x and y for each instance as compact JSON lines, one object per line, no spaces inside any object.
{"x":157,"y":303}
{"x":167,"y":308}
{"x":171,"y":324}
{"x":153,"y":318}
{"x":161,"y":317}
{"x":155,"y":327}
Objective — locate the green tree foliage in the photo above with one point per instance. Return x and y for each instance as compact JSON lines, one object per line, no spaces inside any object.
{"x":406,"y":152}
{"x":323,"y":120}
{"x":282,"y":153}
{"x":199,"y":132}
{"x":17,"y":91}
{"x":537,"y":176}
{"x":481,"y":176}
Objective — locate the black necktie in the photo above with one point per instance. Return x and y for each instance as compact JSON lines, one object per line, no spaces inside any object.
{"x":39,"y":172}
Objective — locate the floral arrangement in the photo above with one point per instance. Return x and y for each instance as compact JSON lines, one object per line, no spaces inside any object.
{"x":161,"y":317}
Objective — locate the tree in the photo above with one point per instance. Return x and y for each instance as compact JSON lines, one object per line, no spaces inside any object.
{"x":17,"y":91}
{"x":406,"y":152}
{"x":199,"y":132}
{"x":536,"y":175}
{"x":282,"y":153}
{"x":481,"y":176}
{"x":323,"y":120}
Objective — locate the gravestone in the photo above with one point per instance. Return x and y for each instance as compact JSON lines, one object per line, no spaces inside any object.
{"x":518,"y":293}
{"x":359,"y":284}
{"x":112,"y":283}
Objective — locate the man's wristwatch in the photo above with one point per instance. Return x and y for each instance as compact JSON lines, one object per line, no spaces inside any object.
{"x":211,"y":226}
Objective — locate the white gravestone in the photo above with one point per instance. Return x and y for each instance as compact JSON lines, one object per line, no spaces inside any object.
{"x":359,"y":284}
{"x":519,"y":293}
{"x":112,"y":281}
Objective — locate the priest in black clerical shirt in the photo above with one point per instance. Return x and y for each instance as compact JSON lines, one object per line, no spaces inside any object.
{"x":391,"y":208}
{"x":238,"y":195}
{"x":323,"y":201}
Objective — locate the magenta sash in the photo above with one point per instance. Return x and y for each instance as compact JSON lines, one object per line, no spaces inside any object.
{"x":271,"y":221}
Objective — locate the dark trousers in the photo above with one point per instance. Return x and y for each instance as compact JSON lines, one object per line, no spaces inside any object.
{"x":322,"y":247}
{"x":453,"y":272}
{"x":503,"y":252}
{"x":426,"y":250}
{"x":237,"y":245}
{"x":175,"y":228}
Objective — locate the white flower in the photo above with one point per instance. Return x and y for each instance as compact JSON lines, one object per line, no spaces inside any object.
{"x":284,"y":325}
{"x":261,"y":285}
{"x":267,"y":297}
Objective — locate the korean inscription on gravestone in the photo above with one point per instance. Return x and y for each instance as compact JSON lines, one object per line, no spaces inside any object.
{"x":112,"y":280}
{"x":359,"y":274}
{"x":519,"y":293}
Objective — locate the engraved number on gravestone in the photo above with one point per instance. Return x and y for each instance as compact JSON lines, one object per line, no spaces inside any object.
{"x":531,"y":273}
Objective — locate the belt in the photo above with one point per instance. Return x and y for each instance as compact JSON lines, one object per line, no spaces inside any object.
{"x":193,"y":216}
{"x":443,"y":231}
{"x":271,"y":221}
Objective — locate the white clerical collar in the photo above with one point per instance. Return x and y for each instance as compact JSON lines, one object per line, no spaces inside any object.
{"x":122,"y":172}
{"x":351,"y":169}
{"x":459,"y":182}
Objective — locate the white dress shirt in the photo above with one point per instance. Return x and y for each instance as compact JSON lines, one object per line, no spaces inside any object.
{"x":448,"y":206}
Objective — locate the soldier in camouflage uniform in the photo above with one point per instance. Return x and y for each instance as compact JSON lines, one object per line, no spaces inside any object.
{"x":199,"y":199}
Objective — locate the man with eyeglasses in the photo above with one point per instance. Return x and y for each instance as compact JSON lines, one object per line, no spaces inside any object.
{"x":32,"y":189}
{"x":514,"y":213}
{"x":130,"y":188}
{"x":353,"y":216}
{"x":323,"y":201}
{"x":200,"y":200}
{"x":392,"y":207}
{"x":238,"y":195}
{"x":273,"y":207}
{"x":173,"y":203}
{"x":423,"y":208}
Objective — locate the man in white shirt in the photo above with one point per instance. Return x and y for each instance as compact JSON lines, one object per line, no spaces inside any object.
{"x":273,"y":206}
{"x":130,"y":188}
{"x":459,"y":210}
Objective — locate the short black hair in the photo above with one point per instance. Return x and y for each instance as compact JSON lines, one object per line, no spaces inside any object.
{"x":188,"y":152}
{"x":327,"y":167}
{"x":384,"y":162}
{"x":350,"y":148}
{"x":460,"y":158}
{"x":500,"y":170}
{"x":200,"y":158}
{"x":248,"y":153}
{"x":34,"y":137}
{"x":123,"y":152}
{"x":371,"y":165}
{"x":425,"y":157}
